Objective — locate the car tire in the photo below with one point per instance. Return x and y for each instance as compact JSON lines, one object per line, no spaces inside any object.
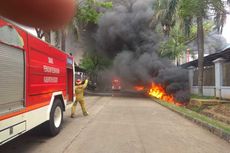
{"x":54,"y":125}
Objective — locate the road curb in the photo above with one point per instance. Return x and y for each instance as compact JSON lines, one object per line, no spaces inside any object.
{"x":88,"y":93}
{"x":217,"y":131}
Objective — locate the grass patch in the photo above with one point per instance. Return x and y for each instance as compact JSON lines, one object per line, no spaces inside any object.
{"x":198,"y":109}
{"x":194,"y":108}
{"x":201,"y":97}
{"x":197,"y":116}
{"x":228,"y":105}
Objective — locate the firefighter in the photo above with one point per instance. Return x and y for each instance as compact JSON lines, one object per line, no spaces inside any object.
{"x":79,"y":94}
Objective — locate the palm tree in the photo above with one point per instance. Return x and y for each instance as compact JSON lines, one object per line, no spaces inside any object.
{"x":160,"y":8}
{"x":187,"y":10}
{"x":88,"y":13}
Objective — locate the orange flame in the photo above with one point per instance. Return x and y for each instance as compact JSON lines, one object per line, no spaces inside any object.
{"x":139,"y":88}
{"x":159,"y":92}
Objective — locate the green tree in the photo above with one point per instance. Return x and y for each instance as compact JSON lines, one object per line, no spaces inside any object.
{"x":88,"y":12}
{"x":160,"y":8}
{"x":93,"y":63}
{"x":186,"y":11}
{"x":175,"y":44}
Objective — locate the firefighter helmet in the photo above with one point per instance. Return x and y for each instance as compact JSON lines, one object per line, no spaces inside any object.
{"x":78,"y":81}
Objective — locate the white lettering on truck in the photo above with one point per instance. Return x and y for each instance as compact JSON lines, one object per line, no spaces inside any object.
{"x":49,"y":69}
{"x":50,"y":79}
{"x":52,"y":70}
{"x":50,"y":60}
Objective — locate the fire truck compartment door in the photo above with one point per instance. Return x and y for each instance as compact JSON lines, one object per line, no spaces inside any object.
{"x":12,"y":77}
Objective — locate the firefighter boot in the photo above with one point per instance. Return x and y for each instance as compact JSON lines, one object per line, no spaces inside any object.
{"x":82,"y":103}
{"x":73,"y":110}
{"x":85,"y":113}
{"x":72,"y":115}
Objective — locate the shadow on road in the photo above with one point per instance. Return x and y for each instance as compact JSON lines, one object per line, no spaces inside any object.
{"x":26,"y":142}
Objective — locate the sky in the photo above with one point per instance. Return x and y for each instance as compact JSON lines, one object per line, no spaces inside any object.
{"x":226,"y":31}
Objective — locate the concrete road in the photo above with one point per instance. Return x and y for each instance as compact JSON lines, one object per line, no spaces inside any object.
{"x":122,"y":125}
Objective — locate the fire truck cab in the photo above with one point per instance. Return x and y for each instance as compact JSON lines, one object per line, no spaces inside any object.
{"x":36,"y":83}
{"x":116,"y":85}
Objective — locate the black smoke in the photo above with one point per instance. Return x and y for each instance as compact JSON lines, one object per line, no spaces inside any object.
{"x":125,"y":35}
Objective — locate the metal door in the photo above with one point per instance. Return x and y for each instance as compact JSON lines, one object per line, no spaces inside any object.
{"x":12,"y":78}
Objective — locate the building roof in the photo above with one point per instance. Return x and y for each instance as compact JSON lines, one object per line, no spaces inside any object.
{"x":208,"y":60}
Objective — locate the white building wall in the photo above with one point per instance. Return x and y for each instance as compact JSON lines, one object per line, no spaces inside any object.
{"x":218,"y":91}
{"x":207,"y":90}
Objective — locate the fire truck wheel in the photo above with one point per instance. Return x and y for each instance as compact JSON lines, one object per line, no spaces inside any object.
{"x":56,"y":118}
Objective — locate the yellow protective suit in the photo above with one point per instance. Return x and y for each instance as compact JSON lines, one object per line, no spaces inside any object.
{"x":79,"y":94}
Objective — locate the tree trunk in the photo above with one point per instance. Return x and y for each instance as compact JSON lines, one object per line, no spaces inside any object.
{"x":58,"y":39}
{"x":63,"y":38}
{"x":53,"y":38}
{"x":200,"y":44}
{"x":40,"y":33}
{"x":47,"y":36}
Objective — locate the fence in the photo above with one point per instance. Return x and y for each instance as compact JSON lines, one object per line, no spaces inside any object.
{"x":216,"y":79}
{"x":226,"y":74}
{"x":208,"y":76}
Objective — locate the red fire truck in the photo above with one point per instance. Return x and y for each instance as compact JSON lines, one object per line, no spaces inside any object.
{"x":116,"y":85}
{"x":36,"y":83}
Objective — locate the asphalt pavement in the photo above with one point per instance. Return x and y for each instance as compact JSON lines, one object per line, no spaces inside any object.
{"x":122,"y":125}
